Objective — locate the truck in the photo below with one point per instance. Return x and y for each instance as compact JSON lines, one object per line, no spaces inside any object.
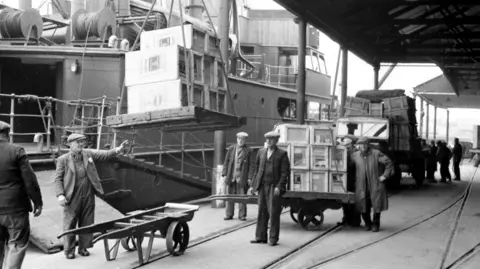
{"x":391,"y":128}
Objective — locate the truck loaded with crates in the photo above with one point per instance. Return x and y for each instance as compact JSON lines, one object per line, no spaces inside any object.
{"x":387,"y":118}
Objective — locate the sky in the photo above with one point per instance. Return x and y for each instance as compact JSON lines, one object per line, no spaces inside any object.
{"x":360,"y":77}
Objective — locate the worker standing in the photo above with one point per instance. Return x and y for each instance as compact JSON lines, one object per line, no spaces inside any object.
{"x":432,"y":162}
{"x":370,"y":192}
{"x":237,"y":171}
{"x":18,"y":188}
{"x":272,"y":168}
{"x":443,"y":155}
{"x":76,"y":183}
{"x":457,"y":158}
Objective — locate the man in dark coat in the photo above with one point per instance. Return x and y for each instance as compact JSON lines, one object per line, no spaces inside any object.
{"x":443,"y":157}
{"x":350,"y":215}
{"x":370,"y":187}
{"x":237,"y":171}
{"x":432,"y":162}
{"x":18,"y":189}
{"x":76,"y":183}
{"x":272,"y":167}
{"x":457,"y":158}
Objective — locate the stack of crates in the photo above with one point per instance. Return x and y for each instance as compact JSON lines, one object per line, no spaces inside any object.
{"x":401,"y":112}
{"x":316,"y":164}
{"x":356,"y":106}
{"x":155,"y":76}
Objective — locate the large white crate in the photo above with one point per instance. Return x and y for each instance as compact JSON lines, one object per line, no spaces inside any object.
{"x":300,"y":156}
{"x":338,"y":182}
{"x":195,"y":39}
{"x":319,"y":157}
{"x":338,"y":158}
{"x":299,"y":180}
{"x":321,"y":136}
{"x":291,"y":133}
{"x":319,"y":181}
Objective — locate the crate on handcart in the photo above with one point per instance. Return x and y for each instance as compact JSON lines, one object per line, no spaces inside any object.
{"x":338,"y":182}
{"x":321,"y":135}
{"x":338,"y":158}
{"x":300,"y":156}
{"x":319,"y":181}
{"x":291,"y":133}
{"x":319,"y":157}
{"x":300,"y":180}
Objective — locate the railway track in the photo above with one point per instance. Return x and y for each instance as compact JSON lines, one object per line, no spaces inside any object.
{"x":459,"y":199}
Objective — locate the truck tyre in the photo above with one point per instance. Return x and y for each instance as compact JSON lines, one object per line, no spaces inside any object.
{"x":418,"y":171}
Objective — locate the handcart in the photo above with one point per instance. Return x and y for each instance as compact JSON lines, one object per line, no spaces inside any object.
{"x":169,"y":220}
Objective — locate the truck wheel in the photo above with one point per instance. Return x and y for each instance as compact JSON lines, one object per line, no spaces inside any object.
{"x":418,"y":171}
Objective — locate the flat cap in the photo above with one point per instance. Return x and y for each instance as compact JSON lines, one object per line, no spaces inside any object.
{"x":4,"y":126}
{"x":362,"y":140}
{"x":272,"y":134}
{"x":74,"y":137}
{"x":242,"y":134}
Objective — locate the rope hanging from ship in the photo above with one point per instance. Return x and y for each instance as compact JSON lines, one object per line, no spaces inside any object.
{"x":21,"y":24}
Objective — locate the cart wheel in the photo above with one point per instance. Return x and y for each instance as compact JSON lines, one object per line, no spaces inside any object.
{"x":128,"y":244}
{"x":178,"y":235}
{"x":292,"y":215}
{"x":310,"y":221}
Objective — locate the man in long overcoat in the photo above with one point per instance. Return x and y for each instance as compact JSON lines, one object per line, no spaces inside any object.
{"x":237,"y":170}
{"x":443,"y":155}
{"x":272,"y":168}
{"x":370,"y":190}
{"x":432,"y":162}
{"x":457,"y":158}
{"x":76,"y":183}
{"x":19,"y":189}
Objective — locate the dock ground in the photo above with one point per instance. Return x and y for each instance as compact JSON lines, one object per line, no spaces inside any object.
{"x":408,"y":238}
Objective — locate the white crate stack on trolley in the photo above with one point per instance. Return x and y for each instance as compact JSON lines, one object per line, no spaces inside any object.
{"x":317,"y":163}
{"x":156,"y":75}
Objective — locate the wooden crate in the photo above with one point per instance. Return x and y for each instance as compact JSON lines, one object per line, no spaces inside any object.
{"x":319,"y":157}
{"x":319,"y":181}
{"x":195,"y":39}
{"x":357,"y":103}
{"x":300,"y":180}
{"x":293,"y":133}
{"x":321,"y":136}
{"x":300,"y":154}
{"x":376,"y":109}
{"x":405,"y":115}
{"x":338,"y":158}
{"x":164,"y":95}
{"x":355,"y":112}
{"x":401,"y":102}
{"x":338,"y":182}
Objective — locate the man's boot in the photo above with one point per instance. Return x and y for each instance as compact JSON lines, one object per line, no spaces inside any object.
{"x":376,"y":222}
{"x":367,"y":220}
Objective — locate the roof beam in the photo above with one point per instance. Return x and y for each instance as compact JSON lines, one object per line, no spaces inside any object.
{"x":470,"y":20}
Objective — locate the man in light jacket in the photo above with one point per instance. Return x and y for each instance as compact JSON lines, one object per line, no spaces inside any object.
{"x":76,"y":183}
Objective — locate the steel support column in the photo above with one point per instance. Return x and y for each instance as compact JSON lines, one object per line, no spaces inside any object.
{"x":434,"y":123}
{"x":220,"y":139}
{"x":302,"y":46}
{"x":448,"y":124}
{"x":422,"y":113}
{"x":376,"y":71}
{"x":343,"y":94}
{"x":427,"y":121}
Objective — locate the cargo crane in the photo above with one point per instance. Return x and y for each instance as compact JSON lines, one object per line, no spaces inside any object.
{"x":387,"y":118}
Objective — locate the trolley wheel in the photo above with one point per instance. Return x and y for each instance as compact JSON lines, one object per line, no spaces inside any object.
{"x":128,"y":244}
{"x":178,"y":236}
{"x":292,"y":215}
{"x":310,"y":221}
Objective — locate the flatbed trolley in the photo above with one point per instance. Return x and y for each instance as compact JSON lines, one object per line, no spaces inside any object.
{"x":169,"y":220}
{"x":306,"y":208}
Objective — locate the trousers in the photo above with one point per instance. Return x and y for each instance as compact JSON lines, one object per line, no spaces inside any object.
{"x":456,"y":169}
{"x":236,"y":188}
{"x":269,"y":208}
{"x":444,"y":171}
{"x":14,"y":236}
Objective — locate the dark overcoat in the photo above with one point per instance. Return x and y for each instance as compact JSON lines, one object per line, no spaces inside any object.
{"x":246,"y":159}
{"x":281,"y":169}
{"x":65,"y":173}
{"x":368,"y":164}
{"x":432,"y":158}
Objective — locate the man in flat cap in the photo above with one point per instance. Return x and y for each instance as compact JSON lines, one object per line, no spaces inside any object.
{"x":18,"y":190}
{"x":76,"y":183}
{"x":370,"y":189}
{"x":272,"y":168}
{"x":237,"y":171}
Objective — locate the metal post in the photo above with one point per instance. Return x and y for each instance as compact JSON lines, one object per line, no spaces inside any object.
{"x":427,"y":120}
{"x":343,"y":94}
{"x":422,"y":113}
{"x":435,"y":123}
{"x":49,"y":122}
{"x":115,"y":132}
{"x":220,"y":140}
{"x":12,"y":116}
{"x":448,"y":124}
{"x":100,"y":122}
{"x":376,"y":71}
{"x":302,"y":46}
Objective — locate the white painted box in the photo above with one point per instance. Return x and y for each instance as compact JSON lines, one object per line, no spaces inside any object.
{"x":321,"y":136}
{"x":292,"y":133}
{"x":338,"y":158}
{"x":338,"y":182}
{"x":300,"y":154}
{"x":299,"y":180}
{"x":319,"y":181}
{"x":319,"y":157}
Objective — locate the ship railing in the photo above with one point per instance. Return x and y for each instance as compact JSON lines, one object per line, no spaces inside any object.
{"x":46,"y":110}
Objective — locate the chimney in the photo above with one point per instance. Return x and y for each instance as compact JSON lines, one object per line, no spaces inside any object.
{"x":24,"y":4}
